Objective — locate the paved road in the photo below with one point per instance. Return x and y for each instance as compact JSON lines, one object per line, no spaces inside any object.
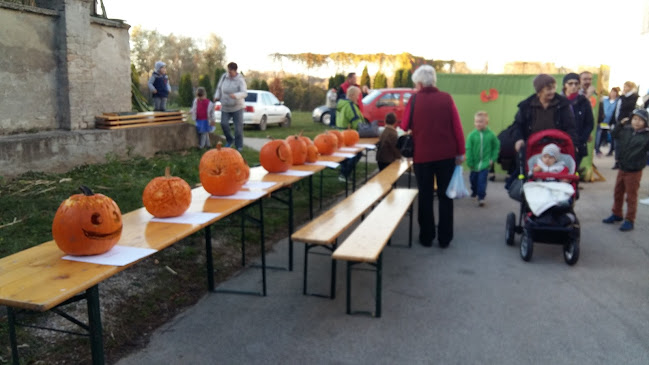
{"x":476,"y":302}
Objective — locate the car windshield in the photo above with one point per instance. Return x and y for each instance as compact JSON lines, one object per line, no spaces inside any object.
{"x":371,"y":96}
{"x":252,"y":97}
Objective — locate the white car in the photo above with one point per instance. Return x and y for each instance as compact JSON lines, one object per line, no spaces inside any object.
{"x":262,"y":108}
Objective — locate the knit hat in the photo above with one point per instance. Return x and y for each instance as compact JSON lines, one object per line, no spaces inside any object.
{"x":552,"y":150}
{"x":159,"y":65}
{"x":642,"y":113}
{"x":543,"y":80}
{"x":570,"y":76}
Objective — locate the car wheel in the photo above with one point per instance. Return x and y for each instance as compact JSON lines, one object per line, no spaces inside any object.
{"x":571,"y":251}
{"x":510,"y":228}
{"x":325,"y":118}
{"x":262,"y":123}
{"x":527,"y":246}
{"x":287,"y":122}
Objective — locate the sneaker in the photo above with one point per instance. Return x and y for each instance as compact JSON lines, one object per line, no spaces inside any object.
{"x":228,"y":144}
{"x":644,"y":201}
{"x":612,"y":219}
{"x":342,"y":178}
{"x":481,"y":202}
{"x":212,"y":129}
{"x":626,"y":226}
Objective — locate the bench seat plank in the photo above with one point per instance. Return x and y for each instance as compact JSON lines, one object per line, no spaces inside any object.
{"x":367,"y":241}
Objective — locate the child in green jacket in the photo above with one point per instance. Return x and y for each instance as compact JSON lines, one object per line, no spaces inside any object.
{"x":482,"y":147}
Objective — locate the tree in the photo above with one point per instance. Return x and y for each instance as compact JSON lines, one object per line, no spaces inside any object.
{"x":335,"y":81}
{"x":254,"y":84}
{"x":138,"y":101}
{"x":204,"y":81}
{"x":365,"y":78}
{"x":407,"y":75}
{"x":263,"y":85}
{"x":217,"y":76}
{"x":380,"y":81}
{"x":186,"y":90}
{"x":396,"y":82}
{"x":277,"y":89}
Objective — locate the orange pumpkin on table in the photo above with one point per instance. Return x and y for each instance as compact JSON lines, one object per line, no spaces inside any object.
{"x":298,"y":148}
{"x":326,"y":142}
{"x":306,"y":139}
{"x":311,"y":153}
{"x":223,"y":171}
{"x":351,"y":137}
{"x":339,"y":135}
{"x":276,"y":156}
{"x":87,"y":224}
{"x":167,"y":196}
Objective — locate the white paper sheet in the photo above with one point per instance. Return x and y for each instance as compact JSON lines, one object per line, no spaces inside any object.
{"x":367,"y":146}
{"x":259,"y":185}
{"x":295,"y":173}
{"x":243,"y":195}
{"x":117,"y":256}
{"x":342,"y":154}
{"x":348,"y":149}
{"x":330,"y":164}
{"x":189,"y":218}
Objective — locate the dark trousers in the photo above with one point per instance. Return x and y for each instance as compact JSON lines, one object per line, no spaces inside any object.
{"x":478,"y":181}
{"x":383,"y":165}
{"x":348,"y":164}
{"x":426,"y":173}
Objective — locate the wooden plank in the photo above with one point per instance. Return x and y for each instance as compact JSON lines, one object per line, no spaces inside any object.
{"x":392,"y":172}
{"x":135,"y":121}
{"x":367,"y":241}
{"x":136,"y":116}
{"x":153,"y":124}
{"x":371,"y":140}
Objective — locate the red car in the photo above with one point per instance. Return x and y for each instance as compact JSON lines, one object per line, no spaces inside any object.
{"x":380,"y":102}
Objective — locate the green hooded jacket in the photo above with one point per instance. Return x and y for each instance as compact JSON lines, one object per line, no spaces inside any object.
{"x":482,"y":148}
{"x":632,"y":147}
{"x":347,"y":113}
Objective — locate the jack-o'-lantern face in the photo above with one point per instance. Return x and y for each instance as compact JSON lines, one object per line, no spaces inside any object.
{"x":87,"y":224}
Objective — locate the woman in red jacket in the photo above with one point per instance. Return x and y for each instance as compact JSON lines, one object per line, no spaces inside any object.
{"x":438,"y":146}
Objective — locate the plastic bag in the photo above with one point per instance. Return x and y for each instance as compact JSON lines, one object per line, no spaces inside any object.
{"x":456,"y":188}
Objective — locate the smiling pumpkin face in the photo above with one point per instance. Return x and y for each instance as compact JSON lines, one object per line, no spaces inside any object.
{"x":87,"y":224}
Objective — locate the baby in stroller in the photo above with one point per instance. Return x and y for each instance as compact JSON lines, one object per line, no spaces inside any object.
{"x":549,"y":186}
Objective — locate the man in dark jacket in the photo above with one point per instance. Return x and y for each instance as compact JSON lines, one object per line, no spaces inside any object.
{"x":582,"y":111}
{"x":544,"y":110}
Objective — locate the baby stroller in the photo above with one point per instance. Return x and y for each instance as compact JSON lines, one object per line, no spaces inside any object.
{"x":558,"y":225}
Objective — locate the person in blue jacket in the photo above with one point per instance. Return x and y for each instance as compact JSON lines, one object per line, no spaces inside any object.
{"x":159,"y":86}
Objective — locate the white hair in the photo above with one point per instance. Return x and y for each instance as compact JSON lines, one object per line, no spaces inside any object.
{"x":425,"y":75}
{"x":353,"y":92}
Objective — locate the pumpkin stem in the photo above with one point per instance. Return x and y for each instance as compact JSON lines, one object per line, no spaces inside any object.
{"x":86,"y":190}
{"x":302,"y":131}
{"x":219,"y":145}
{"x":167,"y":171}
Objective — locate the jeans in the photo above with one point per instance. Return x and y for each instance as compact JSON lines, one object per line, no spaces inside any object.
{"x":479,"y":183}
{"x":426,"y":173}
{"x":348,"y":164}
{"x":159,"y":104}
{"x":237,"y":120}
{"x":332,"y":113}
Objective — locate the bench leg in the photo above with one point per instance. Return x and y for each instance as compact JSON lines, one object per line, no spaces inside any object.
{"x":243,"y":238}
{"x":348,"y":300}
{"x":11,"y":319}
{"x":290,"y":229}
{"x":333,"y":272}
{"x":332,"y":248}
{"x":311,"y":197}
{"x":321,"y":182}
{"x":379,"y":282}
{"x":94,"y":319}
{"x":209,"y":261}
{"x":410,"y":211}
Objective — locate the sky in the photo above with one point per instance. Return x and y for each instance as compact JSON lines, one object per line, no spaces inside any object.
{"x":569,"y":33}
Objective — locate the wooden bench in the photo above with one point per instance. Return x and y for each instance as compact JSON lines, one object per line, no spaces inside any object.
{"x":366,"y":243}
{"x":325,"y":229}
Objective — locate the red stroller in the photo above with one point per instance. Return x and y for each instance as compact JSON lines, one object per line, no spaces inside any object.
{"x":559,"y":225}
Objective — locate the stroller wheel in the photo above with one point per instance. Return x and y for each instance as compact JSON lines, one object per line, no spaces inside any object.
{"x":571,"y":251}
{"x":510,"y":228}
{"x":527,"y":246}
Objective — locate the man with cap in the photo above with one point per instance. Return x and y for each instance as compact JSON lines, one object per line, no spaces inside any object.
{"x":543,"y":110}
{"x":583,"y":113}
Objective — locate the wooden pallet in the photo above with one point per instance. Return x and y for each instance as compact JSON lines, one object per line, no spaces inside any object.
{"x":116,"y":121}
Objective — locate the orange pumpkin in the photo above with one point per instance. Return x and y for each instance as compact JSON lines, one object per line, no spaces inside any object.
{"x":339,"y":135}
{"x":223,"y":171}
{"x":306,"y":139}
{"x":326,"y":142}
{"x":276,"y":156}
{"x":298,"y":148}
{"x":311,"y":153}
{"x":351,"y":137}
{"x":167,"y":196}
{"x":87,"y":224}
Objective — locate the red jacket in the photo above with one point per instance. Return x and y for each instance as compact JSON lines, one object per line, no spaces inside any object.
{"x":345,"y":85}
{"x":436,"y":126}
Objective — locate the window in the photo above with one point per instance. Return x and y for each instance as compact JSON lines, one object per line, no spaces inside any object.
{"x":388,"y":99}
{"x":252,"y":97}
{"x":406,"y":97}
{"x":273,"y":99}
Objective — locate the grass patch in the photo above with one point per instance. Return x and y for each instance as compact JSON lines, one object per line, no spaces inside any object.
{"x":138,"y":300}
{"x":301,"y":122}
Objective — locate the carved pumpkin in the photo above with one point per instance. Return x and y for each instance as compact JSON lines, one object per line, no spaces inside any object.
{"x":87,"y":224}
{"x":351,"y":137}
{"x":276,"y":156}
{"x":311,"y":153}
{"x":167,"y":196}
{"x":339,"y":135}
{"x":223,"y":171}
{"x":298,"y":148}
{"x":326,"y":142}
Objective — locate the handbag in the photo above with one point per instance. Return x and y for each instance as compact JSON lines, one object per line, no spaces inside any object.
{"x":405,"y":143}
{"x":368,"y":130}
{"x":515,"y":190}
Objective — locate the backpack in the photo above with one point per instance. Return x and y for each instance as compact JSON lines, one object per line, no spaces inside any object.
{"x":507,"y":151}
